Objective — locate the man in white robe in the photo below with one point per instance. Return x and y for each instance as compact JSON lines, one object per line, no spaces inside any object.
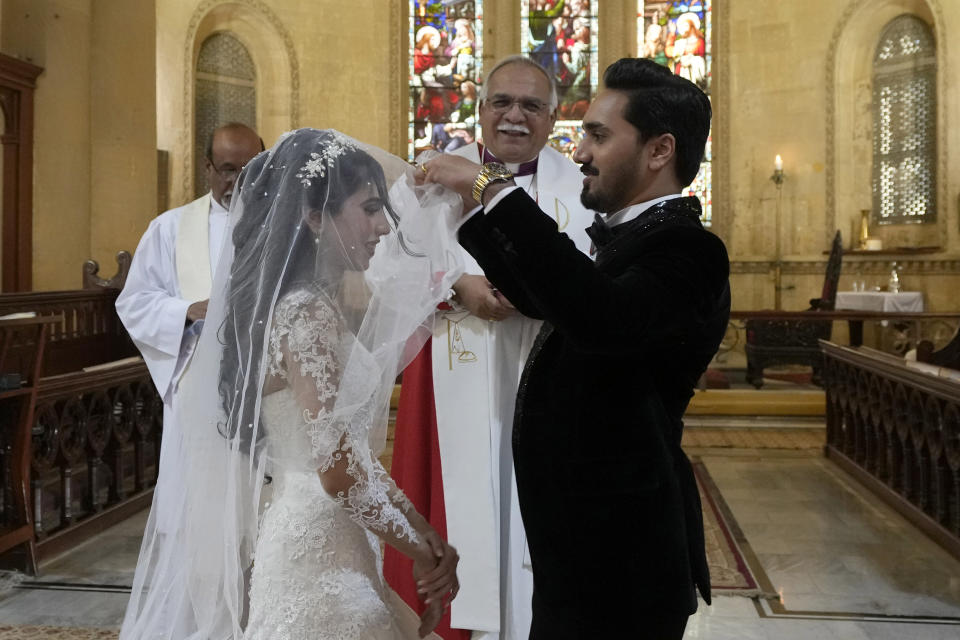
{"x":164,"y":299}
{"x":477,"y":354}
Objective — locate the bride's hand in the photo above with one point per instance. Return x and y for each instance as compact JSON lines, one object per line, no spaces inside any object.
{"x":430,"y":618}
{"x":435,"y":569}
{"x":441,"y":579}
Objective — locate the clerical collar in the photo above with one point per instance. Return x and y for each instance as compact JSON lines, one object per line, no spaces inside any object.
{"x":633,"y":211}
{"x":216,"y":207}
{"x":517,"y":169}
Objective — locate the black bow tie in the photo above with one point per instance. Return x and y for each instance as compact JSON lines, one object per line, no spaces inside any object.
{"x":683,"y":211}
{"x":600,"y":232}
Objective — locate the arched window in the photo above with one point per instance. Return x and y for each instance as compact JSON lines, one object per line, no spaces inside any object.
{"x":905,"y":123}
{"x":446,"y":43}
{"x":562,"y":37}
{"x":225,"y":92}
{"x":679,"y":35}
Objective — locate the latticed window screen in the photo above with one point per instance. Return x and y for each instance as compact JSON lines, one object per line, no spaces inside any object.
{"x":225,"y":92}
{"x":905,"y":123}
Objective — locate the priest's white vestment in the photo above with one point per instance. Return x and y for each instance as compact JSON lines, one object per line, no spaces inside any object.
{"x":476,"y":372}
{"x":172,"y":268}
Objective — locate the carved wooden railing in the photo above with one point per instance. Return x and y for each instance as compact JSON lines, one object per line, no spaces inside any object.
{"x":897,"y":429}
{"x":95,"y":449}
{"x":95,"y":436}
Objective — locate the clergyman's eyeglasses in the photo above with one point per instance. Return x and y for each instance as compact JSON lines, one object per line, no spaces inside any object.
{"x":226,"y":173}
{"x":529,"y":106}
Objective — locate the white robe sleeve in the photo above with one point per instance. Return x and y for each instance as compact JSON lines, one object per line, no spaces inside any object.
{"x":149,"y":305}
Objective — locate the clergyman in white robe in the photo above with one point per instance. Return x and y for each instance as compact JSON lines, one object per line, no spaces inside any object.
{"x":172,"y":268}
{"x":476,"y":372}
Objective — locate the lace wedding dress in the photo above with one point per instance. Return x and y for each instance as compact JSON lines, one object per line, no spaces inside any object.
{"x":317,"y":567}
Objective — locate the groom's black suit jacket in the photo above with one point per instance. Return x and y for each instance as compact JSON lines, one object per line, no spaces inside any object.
{"x":608,"y":498}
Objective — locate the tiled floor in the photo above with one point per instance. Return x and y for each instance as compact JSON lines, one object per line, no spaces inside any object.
{"x":847,"y":567}
{"x":87,"y":587}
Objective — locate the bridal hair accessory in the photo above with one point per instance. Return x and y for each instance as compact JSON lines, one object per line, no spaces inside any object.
{"x":318,"y":163}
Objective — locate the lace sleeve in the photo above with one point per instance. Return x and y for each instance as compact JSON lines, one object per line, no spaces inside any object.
{"x":307,"y":349}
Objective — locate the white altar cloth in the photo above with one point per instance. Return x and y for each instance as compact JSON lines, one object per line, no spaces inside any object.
{"x":904,"y":301}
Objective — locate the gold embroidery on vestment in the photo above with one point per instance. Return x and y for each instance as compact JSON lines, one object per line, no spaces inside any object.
{"x":562,"y":220}
{"x":455,"y":343}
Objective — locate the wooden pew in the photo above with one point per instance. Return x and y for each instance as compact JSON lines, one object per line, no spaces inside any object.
{"x":95,"y":431}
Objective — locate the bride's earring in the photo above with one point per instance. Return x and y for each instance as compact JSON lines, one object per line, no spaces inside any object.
{"x":316,"y":239}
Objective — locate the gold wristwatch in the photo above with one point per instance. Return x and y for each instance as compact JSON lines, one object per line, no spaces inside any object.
{"x":491,"y":172}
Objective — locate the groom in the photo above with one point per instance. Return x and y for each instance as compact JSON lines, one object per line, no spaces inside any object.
{"x":608,"y":498}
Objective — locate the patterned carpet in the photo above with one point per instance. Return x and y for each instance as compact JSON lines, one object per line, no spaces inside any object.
{"x":766,"y":438}
{"x":726,"y":546}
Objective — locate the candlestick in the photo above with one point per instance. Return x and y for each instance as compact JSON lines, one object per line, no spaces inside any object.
{"x":777,"y":176}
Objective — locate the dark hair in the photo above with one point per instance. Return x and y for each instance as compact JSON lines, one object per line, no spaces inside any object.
{"x":274,"y":251}
{"x":660,"y":102}
{"x":233,"y":126}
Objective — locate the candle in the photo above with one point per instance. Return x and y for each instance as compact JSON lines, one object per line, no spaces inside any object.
{"x":778,"y":163}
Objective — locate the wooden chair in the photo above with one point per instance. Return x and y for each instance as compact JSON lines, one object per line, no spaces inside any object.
{"x":948,"y":356}
{"x":776,"y":342}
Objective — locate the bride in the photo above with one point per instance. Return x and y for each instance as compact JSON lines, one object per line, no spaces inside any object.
{"x":323,"y":296}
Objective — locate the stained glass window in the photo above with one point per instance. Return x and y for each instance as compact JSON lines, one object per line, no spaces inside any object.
{"x":446,"y":40}
{"x":225,"y":92}
{"x":562,"y":36}
{"x":678,"y":36}
{"x":905,"y":123}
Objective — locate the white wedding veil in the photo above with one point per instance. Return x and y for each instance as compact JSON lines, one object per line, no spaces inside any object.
{"x":323,"y":218}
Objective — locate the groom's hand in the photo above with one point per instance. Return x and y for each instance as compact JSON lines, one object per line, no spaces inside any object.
{"x":453,"y":172}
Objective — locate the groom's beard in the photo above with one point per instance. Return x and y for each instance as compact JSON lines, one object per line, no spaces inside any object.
{"x":608,"y":192}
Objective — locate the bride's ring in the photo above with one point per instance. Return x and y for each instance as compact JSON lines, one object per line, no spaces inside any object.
{"x":423,"y":168}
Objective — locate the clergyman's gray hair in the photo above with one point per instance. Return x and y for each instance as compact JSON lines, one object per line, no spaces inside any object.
{"x":519,"y":59}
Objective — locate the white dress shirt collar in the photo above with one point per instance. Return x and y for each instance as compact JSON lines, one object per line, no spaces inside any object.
{"x":633,"y":211}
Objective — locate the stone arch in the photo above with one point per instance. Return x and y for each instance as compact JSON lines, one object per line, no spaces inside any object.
{"x":270,"y":45}
{"x":849,"y":72}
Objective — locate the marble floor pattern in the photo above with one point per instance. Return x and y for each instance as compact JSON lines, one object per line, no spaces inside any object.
{"x":846,"y":566}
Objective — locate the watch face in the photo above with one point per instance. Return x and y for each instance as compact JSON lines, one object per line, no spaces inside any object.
{"x":497,"y":171}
